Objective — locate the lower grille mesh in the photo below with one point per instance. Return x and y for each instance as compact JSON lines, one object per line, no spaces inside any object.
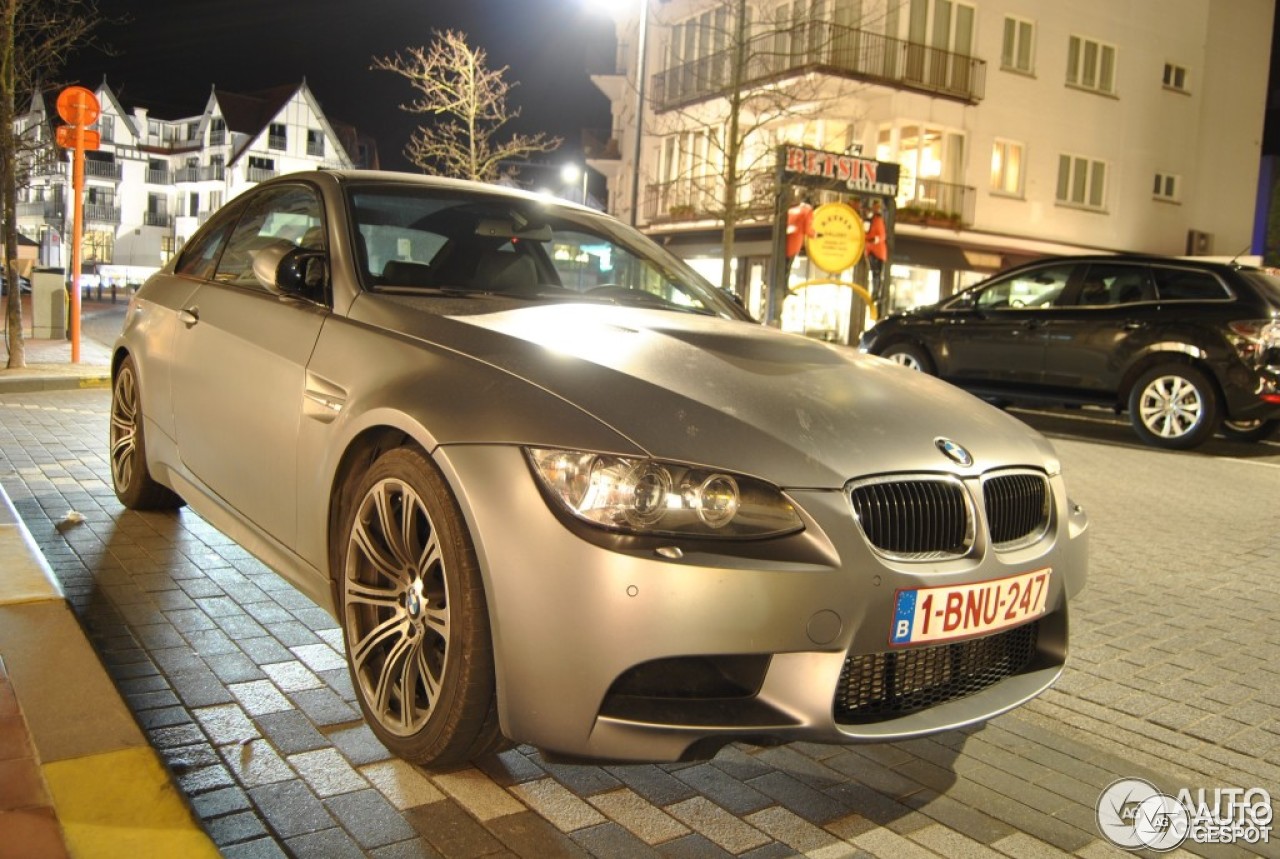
{"x":879,"y":686}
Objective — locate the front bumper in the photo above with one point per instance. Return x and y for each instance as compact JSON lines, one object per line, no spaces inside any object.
{"x":617,"y":652}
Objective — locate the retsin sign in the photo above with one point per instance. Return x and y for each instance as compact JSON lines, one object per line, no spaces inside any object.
{"x":832,"y":171}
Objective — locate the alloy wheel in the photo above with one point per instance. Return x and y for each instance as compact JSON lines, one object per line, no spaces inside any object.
{"x":396,"y":607}
{"x":906,"y":359}
{"x":1171,"y":406}
{"x":124,"y":426}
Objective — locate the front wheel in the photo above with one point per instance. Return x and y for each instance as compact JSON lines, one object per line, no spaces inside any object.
{"x":414,"y":615}
{"x":1174,"y":406}
{"x":910,"y":356}
{"x":1249,"y":430}
{"x":134,"y":485}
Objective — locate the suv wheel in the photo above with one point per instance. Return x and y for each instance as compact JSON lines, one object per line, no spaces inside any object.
{"x":1249,"y":430}
{"x":909,"y":355}
{"x":1174,"y":406}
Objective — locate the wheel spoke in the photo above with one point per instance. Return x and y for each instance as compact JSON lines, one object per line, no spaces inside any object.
{"x":380,"y":556}
{"x":430,"y":680}
{"x":437,"y":620}
{"x":363,"y":648}
{"x":359,"y":592}
{"x":392,"y":665}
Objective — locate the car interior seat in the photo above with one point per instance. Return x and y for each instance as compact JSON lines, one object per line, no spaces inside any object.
{"x":505,"y":271}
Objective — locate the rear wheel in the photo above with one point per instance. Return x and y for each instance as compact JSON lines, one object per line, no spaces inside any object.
{"x":1174,"y":406}
{"x":1249,"y":430}
{"x":414,"y":615}
{"x":133,"y":483}
{"x":909,"y":355}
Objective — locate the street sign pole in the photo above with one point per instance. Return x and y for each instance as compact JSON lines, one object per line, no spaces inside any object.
{"x":79,"y":108}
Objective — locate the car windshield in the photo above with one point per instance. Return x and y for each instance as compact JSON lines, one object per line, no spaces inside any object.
{"x":1267,"y":283}
{"x":432,"y":241}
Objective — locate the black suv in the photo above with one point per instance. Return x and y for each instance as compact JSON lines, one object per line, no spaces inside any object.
{"x":1187,"y":346}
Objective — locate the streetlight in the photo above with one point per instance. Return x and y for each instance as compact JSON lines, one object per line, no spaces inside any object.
{"x":641,"y":57}
{"x":570,"y":172}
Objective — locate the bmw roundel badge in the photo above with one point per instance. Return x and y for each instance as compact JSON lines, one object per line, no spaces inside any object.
{"x":955,"y":452}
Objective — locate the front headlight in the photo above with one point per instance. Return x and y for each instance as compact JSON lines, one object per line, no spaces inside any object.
{"x":649,"y":498}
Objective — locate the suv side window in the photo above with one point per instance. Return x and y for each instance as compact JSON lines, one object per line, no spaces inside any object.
{"x":290,"y":213}
{"x":1039,"y":287}
{"x":1183,"y":284}
{"x":1111,"y":284}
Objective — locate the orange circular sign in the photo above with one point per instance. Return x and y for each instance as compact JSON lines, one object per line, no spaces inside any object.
{"x":839,"y":238}
{"x":78,"y":106}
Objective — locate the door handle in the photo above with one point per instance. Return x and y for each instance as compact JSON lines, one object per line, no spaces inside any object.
{"x":189,"y":317}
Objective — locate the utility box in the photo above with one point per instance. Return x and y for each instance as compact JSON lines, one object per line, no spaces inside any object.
{"x":48,"y":306}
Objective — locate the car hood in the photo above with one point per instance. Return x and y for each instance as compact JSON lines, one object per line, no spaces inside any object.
{"x":734,"y":395}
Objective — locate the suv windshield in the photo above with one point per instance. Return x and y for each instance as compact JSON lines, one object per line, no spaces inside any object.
{"x":431,"y":241}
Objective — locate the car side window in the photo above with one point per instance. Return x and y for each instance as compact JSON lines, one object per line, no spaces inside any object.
{"x":1111,"y":284}
{"x":200,"y":256}
{"x":1039,"y":287}
{"x":291,"y":214}
{"x":1180,"y":284}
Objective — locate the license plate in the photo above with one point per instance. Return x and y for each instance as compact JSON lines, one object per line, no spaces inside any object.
{"x":962,"y":611}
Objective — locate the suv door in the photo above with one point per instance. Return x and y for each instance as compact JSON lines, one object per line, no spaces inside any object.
{"x":993,"y":335}
{"x":1105,"y":322}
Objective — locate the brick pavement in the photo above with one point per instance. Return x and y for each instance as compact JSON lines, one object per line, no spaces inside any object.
{"x":240,"y":685}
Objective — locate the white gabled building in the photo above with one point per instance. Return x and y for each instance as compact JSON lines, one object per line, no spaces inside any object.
{"x":153,"y":181}
{"x":1032,"y":126}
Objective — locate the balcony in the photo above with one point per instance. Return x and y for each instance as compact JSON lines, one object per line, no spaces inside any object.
{"x":51,"y":211}
{"x":260,"y":174}
{"x":600,"y":145}
{"x":102,"y":213}
{"x":700,"y":198}
{"x":157,"y":219}
{"x":826,"y":48}
{"x":277,"y":141}
{"x":159,"y":177}
{"x":199,"y":174}
{"x":936,"y":204}
{"x":315,"y":148}
{"x":102,"y":169}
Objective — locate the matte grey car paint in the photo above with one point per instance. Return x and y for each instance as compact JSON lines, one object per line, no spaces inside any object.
{"x":250,"y":407}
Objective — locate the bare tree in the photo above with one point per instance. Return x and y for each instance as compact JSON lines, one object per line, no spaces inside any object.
{"x":723,"y":111}
{"x":36,"y":37}
{"x":468,"y":104}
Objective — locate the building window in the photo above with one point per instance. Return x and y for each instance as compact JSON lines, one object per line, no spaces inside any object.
{"x":1091,"y":65}
{"x":1015,"y":55}
{"x":276,"y":136}
{"x":1006,"y":168}
{"x":1082,"y":182}
{"x":315,"y":143}
{"x":217,"y":131}
{"x":1166,"y":187}
{"x":194,"y":210}
{"x":1175,"y":77}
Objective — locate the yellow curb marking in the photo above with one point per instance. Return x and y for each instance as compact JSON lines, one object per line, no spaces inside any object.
{"x":122,"y":804}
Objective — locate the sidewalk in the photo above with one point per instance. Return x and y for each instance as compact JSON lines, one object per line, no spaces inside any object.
{"x":77,"y":775}
{"x":49,"y":364}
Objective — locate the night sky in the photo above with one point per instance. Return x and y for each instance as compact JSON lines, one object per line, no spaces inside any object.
{"x":166,"y":55}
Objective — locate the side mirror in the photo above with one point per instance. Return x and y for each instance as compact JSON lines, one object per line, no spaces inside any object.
{"x":285,"y":269}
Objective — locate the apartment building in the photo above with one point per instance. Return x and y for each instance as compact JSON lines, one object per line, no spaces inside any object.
{"x":1021,"y":128}
{"x":153,"y":181}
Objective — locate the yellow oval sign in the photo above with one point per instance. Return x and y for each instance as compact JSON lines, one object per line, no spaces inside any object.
{"x":838,"y":238}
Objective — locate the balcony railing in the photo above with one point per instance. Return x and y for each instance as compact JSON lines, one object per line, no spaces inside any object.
{"x":217,"y":136}
{"x":199,"y":174}
{"x":260,"y":174}
{"x":159,"y":177}
{"x":102,"y":169}
{"x":934,"y":203}
{"x":600,"y":144}
{"x":277,"y":141}
{"x":701,"y":197}
{"x":824,"y":47}
{"x":52,"y":211}
{"x":157,"y":219}
{"x":315,"y":148}
{"x":102,"y":213}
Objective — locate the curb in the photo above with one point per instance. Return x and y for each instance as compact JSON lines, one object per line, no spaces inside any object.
{"x":26,"y":384}
{"x":109,"y":791}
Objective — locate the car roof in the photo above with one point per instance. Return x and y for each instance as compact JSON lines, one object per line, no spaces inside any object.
{"x":1142,"y":259}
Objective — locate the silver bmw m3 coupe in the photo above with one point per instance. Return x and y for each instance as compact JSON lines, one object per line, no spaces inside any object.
{"x":558,"y":490}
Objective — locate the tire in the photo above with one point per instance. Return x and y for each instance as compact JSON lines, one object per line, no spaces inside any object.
{"x":414,"y":615}
{"x":1249,"y":431}
{"x":1174,"y":406}
{"x":910,"y":356}
{"x":133,"y":483}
